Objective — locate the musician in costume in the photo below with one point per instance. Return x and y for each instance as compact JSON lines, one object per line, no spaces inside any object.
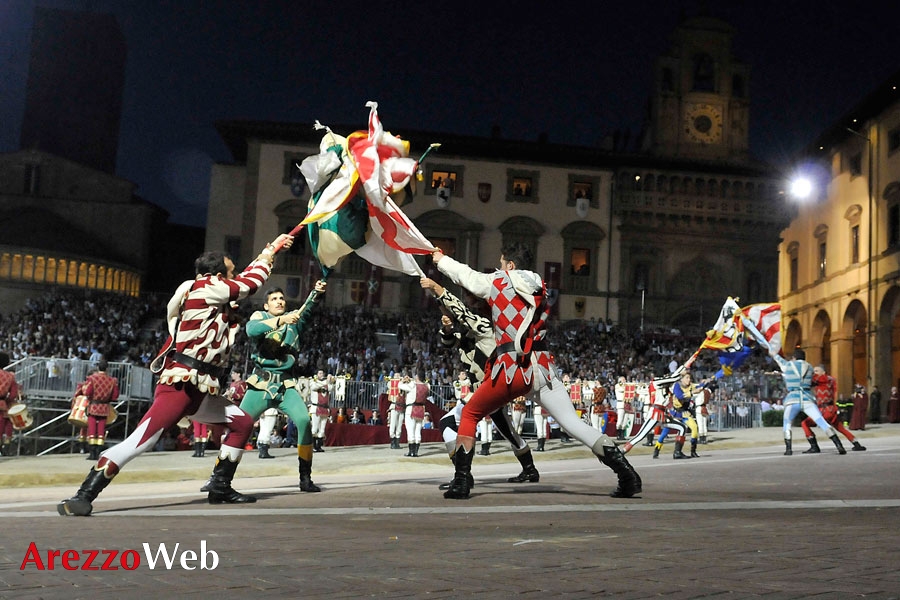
{"x":472,"y":335}
{"x":486,"y":433}
{"x":824,"y":388}
{"x":100,"y":389}
{"x":519,"y":409}
{"x":598,"y":408}
{"x":275,"y":342}
{"x":521,"y":364}
{"x":9,"y":395}
{"x":619,"y":391}
{"x":416,"y":393}
{"x":319,"y":408}
{"x":396,"y":410}
{"x":202,"y":319}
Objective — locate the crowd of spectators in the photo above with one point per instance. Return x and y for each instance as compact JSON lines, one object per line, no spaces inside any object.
{"x":344,"y":341}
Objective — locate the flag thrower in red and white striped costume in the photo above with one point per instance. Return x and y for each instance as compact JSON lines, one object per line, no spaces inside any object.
{"x":521,"y":364}
{"x":202,"y":322}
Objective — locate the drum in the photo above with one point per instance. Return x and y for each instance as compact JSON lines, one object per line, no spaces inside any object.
{"x":112,"y":416}
{"x":19,"y":417}
{"x":78,"y":414}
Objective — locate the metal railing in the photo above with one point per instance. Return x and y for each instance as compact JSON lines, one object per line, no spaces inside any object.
{"x":47,"y":386}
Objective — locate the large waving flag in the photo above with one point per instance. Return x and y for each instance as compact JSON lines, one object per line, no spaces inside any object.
{"x":351,"y":210}
{"x":727,"y":336}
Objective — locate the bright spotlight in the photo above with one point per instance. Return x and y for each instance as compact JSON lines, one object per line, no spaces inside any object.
{"x":801,"y":188}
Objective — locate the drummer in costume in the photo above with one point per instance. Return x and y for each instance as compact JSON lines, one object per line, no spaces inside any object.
{"x":9,"y":394}
{"x":100,"y":389}
{"x":396,"y":411}
{"x":275,"y":341}
{"x":598,"y":408}
{"x":202,"y":321}
{"x":474,"y":339}
{"x":521,"y":363}
{"x":519,"y":408}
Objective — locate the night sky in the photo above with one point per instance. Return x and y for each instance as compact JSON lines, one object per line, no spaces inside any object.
{"x":575,"y":70}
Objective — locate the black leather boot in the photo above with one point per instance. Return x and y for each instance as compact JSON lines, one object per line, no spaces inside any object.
{"x":694,"y":449}
{"x":629,"y":481}
{"x":679,"y":444}
{"x":656,"y":450}
{"x":220,"y":490}
{"x":813,"y":446}
{"x":264,"y":451}
{"x":459,"y":487}
{"x":306,"y":482}
{"x":80,"y":505}
{"x":485,"y":450}
{"x":529,"y":471}
{"x":838,"y":445}
{"x":857,"y":447}
{"x":202,"y":449}
{"x":317,"y":445}
{"x":196,"y":453}
{"x":787,"y":448}
{"x":540,"y":446}
{"x":649,"y":441}
{"x":409,"y":451}
{"x":395,"y":444}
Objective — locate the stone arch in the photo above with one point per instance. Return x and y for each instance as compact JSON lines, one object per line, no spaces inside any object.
{"x":793,"y":337}
{"x":819,"y":350}
{"x":887,"y":342}
{"x":852,"y":350}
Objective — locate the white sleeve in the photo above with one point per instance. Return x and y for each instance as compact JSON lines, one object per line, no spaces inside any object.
{"x":477,"y":283}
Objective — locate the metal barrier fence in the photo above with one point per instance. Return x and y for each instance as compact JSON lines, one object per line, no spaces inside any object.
{"x":48,"y":386}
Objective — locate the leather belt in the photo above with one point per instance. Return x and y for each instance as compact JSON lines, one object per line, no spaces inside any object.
{"x":509,"y":347}
{"x":201,"y":367}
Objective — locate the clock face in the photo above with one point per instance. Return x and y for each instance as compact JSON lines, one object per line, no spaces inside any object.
{"x":703,"y":123}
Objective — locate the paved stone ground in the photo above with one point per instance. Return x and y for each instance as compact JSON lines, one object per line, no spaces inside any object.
{"x":743,"y":521}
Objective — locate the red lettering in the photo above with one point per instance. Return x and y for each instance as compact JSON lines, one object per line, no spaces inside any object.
{"x":92,"y":554}
{"x":107,"y":564}
{"x":32,"y":555}
{"x":66,"y":557}
{"x":135,"y":560}
{"x":51,"y":554}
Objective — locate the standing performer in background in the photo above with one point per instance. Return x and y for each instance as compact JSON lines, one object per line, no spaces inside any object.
{"x":701,"y":413}
{"x":100,"y":389}
{"x":521,"y":364}
{"x":598,"y":409}
{"x":275,"y":342}
{"x":519,"y":407}
{"x":475,"y":341}
{"x":320,"y":410}
{"x":202,"y":321}
{"x":416,"y":394}
{"x":396,"y":411}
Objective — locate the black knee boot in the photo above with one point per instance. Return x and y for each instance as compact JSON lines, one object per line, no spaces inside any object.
{"x":459,"y":487}
{"x":813,"y":446}
{"x":787,"y":448}
{"x":838,"y":445}
{"x":410,"y":451}
{"x":656,"y":450}
{"x":540,"y":446}
{"x":485,"y":450}
{"x":529,"y":471}
{"x":629,"y":481}
{"x":196,"y":453}
{"x":649,"y":441}
{"x":202,"y":449}
{"x":694,"y":449}
{"x":306,"y":482}
{"x":679,"y":444}
{"x":857,"y":447}
{"x":264,"y":451}
{"x":220,"y":490}
{"x":80,"y":505}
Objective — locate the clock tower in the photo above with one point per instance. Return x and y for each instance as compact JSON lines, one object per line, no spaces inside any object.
{"x":700,"y":104}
